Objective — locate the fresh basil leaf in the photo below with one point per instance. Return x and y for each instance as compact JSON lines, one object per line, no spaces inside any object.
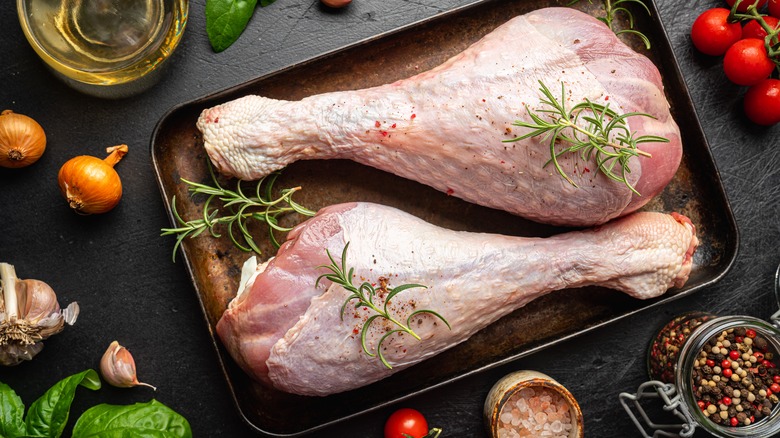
{"x":11,"y":413}
{"x":226,"y":19}
{"x":47,"y":415}
{"x":149,"y":420}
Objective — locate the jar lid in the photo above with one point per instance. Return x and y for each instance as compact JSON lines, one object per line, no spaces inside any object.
{"x":530,"y":401}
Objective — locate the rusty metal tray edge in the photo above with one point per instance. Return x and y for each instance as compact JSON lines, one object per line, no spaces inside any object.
{"x":724,"y":266}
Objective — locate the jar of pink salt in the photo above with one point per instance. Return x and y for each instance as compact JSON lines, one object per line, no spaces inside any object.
{"x":531,"y":404}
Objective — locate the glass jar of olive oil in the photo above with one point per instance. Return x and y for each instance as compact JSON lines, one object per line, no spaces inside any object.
{"x":105,"y":48}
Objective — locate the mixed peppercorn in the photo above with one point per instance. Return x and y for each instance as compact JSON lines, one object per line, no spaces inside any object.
{"x":735,"y":380}
{"x":666,"y":346}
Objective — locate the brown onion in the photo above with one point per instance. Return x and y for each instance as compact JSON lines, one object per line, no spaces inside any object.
{"x":336,"y":3}
{"x":22,"y":140}
{"x":91,"y":185}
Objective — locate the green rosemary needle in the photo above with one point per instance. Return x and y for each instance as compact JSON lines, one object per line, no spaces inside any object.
{"x":237,"y":208}
{"x":364,"y":296}
{"x":605,"y":136}
{"x":611,"y":10}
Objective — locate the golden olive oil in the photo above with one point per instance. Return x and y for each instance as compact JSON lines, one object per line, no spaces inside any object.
{"x":104,"y":47}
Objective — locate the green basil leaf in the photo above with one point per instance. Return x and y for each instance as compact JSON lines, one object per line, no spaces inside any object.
{"x":47,"y":415}
{"x":11,"y":413}
{"x":149,"y":420}
{"x":226,"y":19}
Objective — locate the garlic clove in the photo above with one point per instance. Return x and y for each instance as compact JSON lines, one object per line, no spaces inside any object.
{"x":17,"y":353}
{"x":37,"y":300}
{"x":118,"y":367}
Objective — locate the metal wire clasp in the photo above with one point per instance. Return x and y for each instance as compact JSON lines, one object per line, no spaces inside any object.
{"x":775,"y":318}
{"x":672,"y":402}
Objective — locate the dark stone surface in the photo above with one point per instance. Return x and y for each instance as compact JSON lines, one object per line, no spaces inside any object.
{"x":119,"y":269}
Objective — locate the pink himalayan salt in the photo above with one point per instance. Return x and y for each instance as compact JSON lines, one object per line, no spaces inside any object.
{"x":535,"y":412}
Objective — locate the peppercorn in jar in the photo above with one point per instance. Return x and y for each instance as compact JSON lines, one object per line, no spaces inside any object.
{"x":664,"y":349}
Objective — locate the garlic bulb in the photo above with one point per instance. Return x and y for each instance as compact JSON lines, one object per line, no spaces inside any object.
{"x":118,"y":367}
{"x":29,"y":313}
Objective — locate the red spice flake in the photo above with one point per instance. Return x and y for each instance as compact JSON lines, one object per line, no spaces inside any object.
{"x":377,"y":124}
{"x":216,"y":120}
{"x":384,"y":133}
{"x":483,"y":100}
{"x":503,"y":162}
{"x":606,"y":98}
{"x":355,"y":330}
{"x":586,"y":170}
{"x":414,"y":116}
{"x":450,"y":191}
{"x":393,"y":125}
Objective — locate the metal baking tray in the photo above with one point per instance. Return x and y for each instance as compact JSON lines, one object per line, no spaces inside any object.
{"x":214,"y":265}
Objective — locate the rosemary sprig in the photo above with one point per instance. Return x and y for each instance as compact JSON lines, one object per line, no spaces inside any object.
{"x":612,"y":9}
{"x":236,"y":210}
{"x":605,"y":137}
{"x":364,"y":296}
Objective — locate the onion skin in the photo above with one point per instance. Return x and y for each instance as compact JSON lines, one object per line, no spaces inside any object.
{"x":91,"y":185}
{"x":22,"y":140}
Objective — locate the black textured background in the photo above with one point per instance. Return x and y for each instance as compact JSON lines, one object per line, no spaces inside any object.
{"x":119,"y":269}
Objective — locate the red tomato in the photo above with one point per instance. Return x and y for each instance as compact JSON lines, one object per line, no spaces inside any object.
{"x":745,"y":3}
{"x":774,"y":8}
{"x":747,"y":63}
{"x":754,"y":30}
{"x":762,"y":102}
{"x":712,"y":35}
{"x":406,"y":421}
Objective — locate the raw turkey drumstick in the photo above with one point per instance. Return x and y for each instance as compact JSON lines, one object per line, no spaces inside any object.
{"x":445,"y":127}
{"x":283,"y":330}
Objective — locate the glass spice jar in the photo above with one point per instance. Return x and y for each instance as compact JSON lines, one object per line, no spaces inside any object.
{"x":681,"y":359}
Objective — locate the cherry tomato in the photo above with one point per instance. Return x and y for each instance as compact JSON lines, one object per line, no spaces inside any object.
{"x":712,"y":34}
{"x":762,"y":103}
{"x":747,"y":63}
{"x":745,"y":3}
{"x":754,"y":30}
{"x":406,"y":421}
{"x":774,"y":8}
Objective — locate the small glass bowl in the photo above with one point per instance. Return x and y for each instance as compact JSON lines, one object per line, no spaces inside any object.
{"x":104,"y":48}
{"x":504,"y":389}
